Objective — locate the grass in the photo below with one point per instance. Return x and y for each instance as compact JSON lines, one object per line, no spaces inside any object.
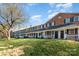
{"x":44,"y":47}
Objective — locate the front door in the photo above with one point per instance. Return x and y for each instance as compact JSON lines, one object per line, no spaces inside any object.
{"x":62,"y":34}
{"x":56,"y":34}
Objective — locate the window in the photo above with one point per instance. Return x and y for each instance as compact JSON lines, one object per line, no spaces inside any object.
{"x":52,"y":23}
{"x":43,"y":26}
{"x":67,"y":20}
{"x":72,"y":19}
{"x":72,"y":31}
{"x":52,"y":32}
{"x":48,"y":24}
{"x":67,"y":31}
{"x":76,"y":18}
{"x":48,"y":32}
{"x":76,"y":30}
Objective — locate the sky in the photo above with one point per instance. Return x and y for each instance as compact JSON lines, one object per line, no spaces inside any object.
{"x":40,"y":13}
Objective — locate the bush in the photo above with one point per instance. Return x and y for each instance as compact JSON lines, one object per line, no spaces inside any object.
{"x":53,"y":48}
{"x":62,"y":53}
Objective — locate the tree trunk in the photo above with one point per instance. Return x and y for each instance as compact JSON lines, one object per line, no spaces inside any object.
{"x":8,"y":36}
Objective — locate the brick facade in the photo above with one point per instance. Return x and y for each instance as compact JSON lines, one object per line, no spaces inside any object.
{"x":59,"y":18}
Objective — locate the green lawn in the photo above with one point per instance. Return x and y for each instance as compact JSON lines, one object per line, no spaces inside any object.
{"x":46,"y":47}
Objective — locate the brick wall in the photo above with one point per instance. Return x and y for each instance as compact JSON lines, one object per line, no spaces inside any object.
{"x":59,"y":19}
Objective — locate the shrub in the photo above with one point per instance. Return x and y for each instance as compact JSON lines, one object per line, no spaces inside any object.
{"x":53,"y":48}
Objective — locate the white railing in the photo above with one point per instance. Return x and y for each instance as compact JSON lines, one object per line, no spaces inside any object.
{"x":46,"y":36}
{"x":49,"y":36}
{"x":72,"y":37}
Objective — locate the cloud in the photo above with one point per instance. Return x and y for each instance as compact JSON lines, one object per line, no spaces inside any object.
{"x":52,"y":5}
{"x":36,"y":20}
{"x":49,"y":11}
{"x":52,"y":15}
{"x":31,"y":4}
{"x":36,"y":17}
{"x":58,"y":7}
{"x":64,"y":5}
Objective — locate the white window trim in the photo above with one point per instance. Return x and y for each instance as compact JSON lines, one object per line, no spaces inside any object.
{"x":52,"y":23}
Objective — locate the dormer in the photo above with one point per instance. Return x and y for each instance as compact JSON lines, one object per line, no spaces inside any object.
{"x":71,"y":19}
{"x":50,"y":24}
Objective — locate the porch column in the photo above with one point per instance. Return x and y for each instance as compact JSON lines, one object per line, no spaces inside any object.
{"x":38,"y":35}
{"x":58,"y":34}
{"x":65,"y":35}
{"x":78,"y":33}
{"x":44,"y":35}
{"x":53,"y":34}
{"x":34,"y":35}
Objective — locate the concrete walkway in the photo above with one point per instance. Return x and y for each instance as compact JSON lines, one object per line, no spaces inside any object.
{"x":12,"y":52}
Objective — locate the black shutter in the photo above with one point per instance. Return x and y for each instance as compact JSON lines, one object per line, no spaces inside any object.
{"x":72,"y":19}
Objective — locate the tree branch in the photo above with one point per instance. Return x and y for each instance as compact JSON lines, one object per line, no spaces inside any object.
{"x":2,"y":24}
{"x":5,"y":19}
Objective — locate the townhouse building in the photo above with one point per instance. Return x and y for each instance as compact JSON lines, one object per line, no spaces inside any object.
{"x":61,"y":26}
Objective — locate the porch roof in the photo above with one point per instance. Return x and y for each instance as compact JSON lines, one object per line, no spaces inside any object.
{"x":54,"y":27}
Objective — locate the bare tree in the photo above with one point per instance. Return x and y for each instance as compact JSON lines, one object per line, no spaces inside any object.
{"x":10,"y":15}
